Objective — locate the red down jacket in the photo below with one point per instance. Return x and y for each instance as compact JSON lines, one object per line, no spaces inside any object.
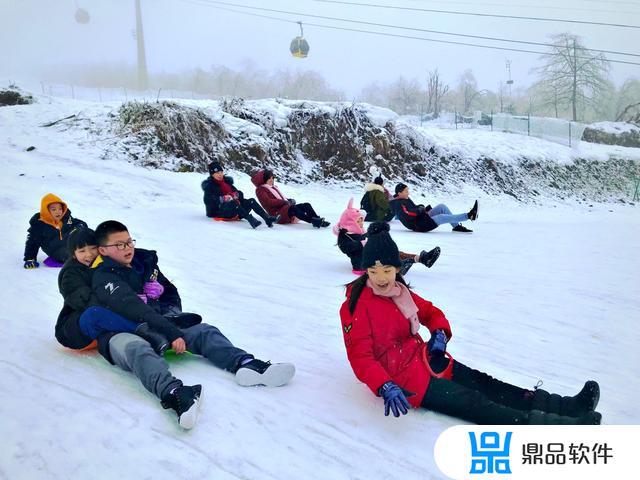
{"x":380,"y":346}
{"x":273,"y":204}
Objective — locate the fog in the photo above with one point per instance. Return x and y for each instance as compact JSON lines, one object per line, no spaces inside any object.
{"x":41,"y":39}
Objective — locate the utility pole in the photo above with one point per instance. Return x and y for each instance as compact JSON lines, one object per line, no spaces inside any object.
{"x":509,"y":82}
{"x":143,"y":76}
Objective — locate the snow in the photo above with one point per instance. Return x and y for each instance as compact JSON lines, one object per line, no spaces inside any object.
{"x":615,"y":128}
{"x":534,"y":293}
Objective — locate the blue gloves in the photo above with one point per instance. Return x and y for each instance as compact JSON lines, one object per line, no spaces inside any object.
{"x":31,"y":264}
{"x":437,"y":344}
{"x":395,"y":398}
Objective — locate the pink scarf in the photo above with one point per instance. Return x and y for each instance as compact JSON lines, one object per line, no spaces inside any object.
{"x":402,"y":298}
{"x":275,"y":191}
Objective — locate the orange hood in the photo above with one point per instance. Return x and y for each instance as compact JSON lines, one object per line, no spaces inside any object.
{"x":45,"y":214}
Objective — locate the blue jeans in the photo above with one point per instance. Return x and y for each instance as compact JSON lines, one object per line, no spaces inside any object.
{"x":441,"y":214}
{"x":96,"y":320}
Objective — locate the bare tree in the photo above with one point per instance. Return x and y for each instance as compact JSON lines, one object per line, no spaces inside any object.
{"x":435,"y":91}
{"x":628,"y":97}
{"x":573,"y":74}
{"x":468,"y":90}
{"x":405,"y":96}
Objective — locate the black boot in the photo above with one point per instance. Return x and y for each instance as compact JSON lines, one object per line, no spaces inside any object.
{"x":158,"y":341}
{"x":253,"y":221}
{"x":473,"y":213}
{"x":536,"y":417}
{"x":430,"y":257}
{"x":185,"y":401}
{"x":270,"y":220}
{"x":585,"y":401}
{"x":316,"y":222}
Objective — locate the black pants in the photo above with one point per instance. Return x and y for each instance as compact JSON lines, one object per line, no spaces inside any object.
{"x":476,"y":397}
{"x":303,"y":211}
{"x":242,"y":209}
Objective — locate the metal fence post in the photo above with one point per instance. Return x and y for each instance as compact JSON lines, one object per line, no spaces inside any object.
{"x":529,"y":124}
{"x":491,"y":120}
{"x":569,"y":133}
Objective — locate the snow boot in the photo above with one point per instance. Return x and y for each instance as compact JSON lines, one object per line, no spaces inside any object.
{"x":406,"y":264}
{"x":473,"y":213}
{"x":185,"y":401}
{"x":578,"y":405}
{"x":536,"y":417}
{"x":253,"y":221}
{"x":257,"y":372}
{"x":461,"y":228}
{"x":319,"y":222}
{"x":430,"y":257}
{"x":158,"y":342}
{"x":270,"y":220}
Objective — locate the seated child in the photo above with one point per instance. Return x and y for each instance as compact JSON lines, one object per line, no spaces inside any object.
{"x":48,"y":230}
{"x":424,"y":219}
{"x":381,"y":318}
{"x":352,"y":238}
{"x":82,"y":320}
{"x":222,"y":199}
{"x":274,"y":202}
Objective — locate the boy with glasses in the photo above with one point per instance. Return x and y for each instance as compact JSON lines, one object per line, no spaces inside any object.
{"x":129,"y":282}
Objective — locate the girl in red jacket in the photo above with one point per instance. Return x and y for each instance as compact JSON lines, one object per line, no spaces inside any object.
{"x":381,"y":318}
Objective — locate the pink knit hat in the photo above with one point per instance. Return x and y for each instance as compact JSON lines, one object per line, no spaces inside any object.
{"x":348,"y":220}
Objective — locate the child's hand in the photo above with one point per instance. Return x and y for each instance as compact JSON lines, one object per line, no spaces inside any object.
{"x":179,"y":346}
{"x":31,"y":264}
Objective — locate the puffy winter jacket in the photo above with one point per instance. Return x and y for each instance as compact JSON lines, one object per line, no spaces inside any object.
{"x":273,"y":204}
{"x":45,"y":233}
{"x":213,"y":196}
{"x":380,"y":346}
{"x":74,"y":283}
{"x":412,"y":216}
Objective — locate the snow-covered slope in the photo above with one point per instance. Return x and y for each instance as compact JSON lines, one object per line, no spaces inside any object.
{"x":534,"y":293}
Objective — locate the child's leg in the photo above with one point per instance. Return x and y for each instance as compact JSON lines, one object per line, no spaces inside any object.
{"x":208,"y":341}
{"x":133,"y":354}
{"x":251,"y":204}
{"x":450,"y":398}
{"x":441,"y":214}
{"x":96,"y":320}
{"x":496,"y":390}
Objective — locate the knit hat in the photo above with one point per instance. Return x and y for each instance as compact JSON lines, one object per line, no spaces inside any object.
{"x":348,"y":220}
{"x":80,"y":237}
{"x":215,"y":167}
{"x":400,"y":187}
{"x":378,"y":180}
{"x":380,"y":247}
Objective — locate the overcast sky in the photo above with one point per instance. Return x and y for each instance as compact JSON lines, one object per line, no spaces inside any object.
{"x":184,"y":34}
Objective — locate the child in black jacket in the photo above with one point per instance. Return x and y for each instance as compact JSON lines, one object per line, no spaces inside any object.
{"x":82,"y":319}
{"x":49,"y":230}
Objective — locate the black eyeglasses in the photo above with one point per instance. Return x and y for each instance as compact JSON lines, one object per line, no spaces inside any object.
{"x":123,"y":245}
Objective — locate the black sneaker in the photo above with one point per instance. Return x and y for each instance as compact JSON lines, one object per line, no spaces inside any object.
{"x":324,"y":223}
{"x":461,"y":228}
{"x":473,"y":213}
{"x":430,"y":257}
{"x":316,"y":222}
{"x":407,"y":263}
{"x":271,"y":220}
{"x":257,"y":372}
{"x":185,"y":401}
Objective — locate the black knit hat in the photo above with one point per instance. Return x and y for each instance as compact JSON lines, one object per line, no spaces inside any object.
{"x":215,"y":167}
{"x":380,"y":247}
{"x":378,"y":180}
{"x":266,"y":175}
{"x":400,"y":187}
{"x":80,"y":237}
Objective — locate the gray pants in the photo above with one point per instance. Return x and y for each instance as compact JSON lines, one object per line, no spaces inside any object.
{"x":134,"y":354}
